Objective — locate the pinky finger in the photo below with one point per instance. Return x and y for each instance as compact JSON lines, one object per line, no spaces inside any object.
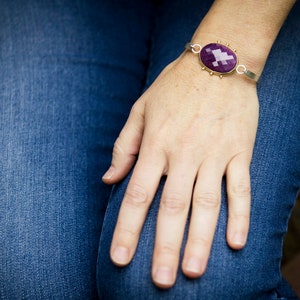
{"x":239,"y":198}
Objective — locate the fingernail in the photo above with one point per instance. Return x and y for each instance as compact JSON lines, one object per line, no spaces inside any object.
{"x":109,"y":173}
{"x":239,"y":239}
{"x":164,"y":276}
{"x":193,"y":265}
{"x":121,"y":255}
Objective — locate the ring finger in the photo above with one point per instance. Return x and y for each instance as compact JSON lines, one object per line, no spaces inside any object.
{"x":205,"y":212}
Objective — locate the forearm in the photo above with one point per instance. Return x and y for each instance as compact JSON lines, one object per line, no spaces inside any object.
{"x":249,"y":26}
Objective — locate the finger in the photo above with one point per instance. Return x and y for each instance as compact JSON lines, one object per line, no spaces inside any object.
{"x":238,"y":190}
{"x":127,"y":145}
{"x":137,"y":199}
{"x":173,"y":210}
{"x":205,"y":212}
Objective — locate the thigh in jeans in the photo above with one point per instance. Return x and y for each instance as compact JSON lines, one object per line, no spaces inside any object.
{"x":252,"y":273}
{"x":68,"y":79}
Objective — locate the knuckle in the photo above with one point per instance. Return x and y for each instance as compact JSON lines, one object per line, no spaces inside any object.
{"x":173,"y":204}
{"x":207,"y":200}
{"x":242,"y":189}
{"x":127,"y":233}
{"x":135,"y":107}
{"x":135,"y":196}
{"x":153,"y":145}
{"x":239,"y":217}
{"x":167,"y":249}
{"x":136,"y":111}
{"x":199,"y":241}
{"x":118,"y":149}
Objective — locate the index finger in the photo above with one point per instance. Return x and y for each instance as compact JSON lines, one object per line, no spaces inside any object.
{"x":138,"y":197}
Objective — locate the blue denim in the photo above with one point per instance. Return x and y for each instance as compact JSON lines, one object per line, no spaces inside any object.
{"x":69,"y":74}
{"x":68,"y":77}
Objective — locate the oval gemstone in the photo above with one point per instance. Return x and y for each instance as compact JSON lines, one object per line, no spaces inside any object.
{"x":218,"y":58}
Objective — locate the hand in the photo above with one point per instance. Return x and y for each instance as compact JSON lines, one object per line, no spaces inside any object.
{"x":194,"y":128}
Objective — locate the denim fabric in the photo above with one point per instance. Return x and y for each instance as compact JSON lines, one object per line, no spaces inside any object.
{"x":254,"y":272}
{"x":69,"y":73}
{"x":68,"y":77}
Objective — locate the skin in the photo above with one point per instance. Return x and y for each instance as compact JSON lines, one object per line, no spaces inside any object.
{"x":194,"y":128}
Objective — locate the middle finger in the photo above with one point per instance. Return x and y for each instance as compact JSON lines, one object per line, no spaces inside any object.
{"x":173,"y":211}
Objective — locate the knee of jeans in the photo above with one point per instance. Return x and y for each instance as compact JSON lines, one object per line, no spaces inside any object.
{"x":235,"y":279}
{"x":251,"y":273}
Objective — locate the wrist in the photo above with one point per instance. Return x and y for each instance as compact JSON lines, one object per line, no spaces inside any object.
{"x":249,"y":26}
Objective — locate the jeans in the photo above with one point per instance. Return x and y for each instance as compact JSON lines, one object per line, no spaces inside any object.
{"x":70,"y":72}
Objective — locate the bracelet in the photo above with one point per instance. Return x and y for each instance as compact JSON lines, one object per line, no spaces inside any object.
{"x":219,"y":59}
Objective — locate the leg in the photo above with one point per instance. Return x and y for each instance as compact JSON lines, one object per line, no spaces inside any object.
{"x":68,"y":78}
{"x":252,"y":273}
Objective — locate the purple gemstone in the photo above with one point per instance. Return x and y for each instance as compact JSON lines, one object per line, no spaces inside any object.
{"x":218,"y":58}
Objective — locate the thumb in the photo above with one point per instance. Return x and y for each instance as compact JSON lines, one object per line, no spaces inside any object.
{"x":127,"y":145}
